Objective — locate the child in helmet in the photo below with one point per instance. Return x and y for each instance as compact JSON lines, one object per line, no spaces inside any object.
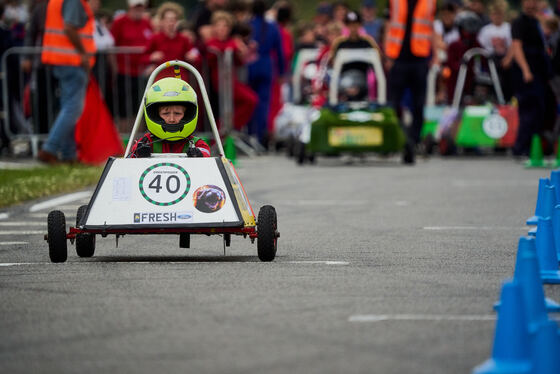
{"x":171,"y":113}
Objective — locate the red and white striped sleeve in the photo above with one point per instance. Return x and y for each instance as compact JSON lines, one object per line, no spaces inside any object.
{"x":203,"y":147}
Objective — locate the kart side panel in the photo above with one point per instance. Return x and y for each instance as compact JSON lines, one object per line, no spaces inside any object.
{"x":163,"y":193}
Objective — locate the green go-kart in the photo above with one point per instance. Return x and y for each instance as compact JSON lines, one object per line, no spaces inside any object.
{"x":483,"y":124}
{"x":356,"y":118}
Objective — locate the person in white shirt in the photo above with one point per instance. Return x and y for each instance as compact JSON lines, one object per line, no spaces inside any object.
{"x":496,"y":36}
{"x":496,"y":39}
{"x":102,"y":36}
{"x":444,"y":25}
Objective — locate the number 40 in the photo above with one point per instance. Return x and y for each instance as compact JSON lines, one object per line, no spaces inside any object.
{"x":156,"y":184}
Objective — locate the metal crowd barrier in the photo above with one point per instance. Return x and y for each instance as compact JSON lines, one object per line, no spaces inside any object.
{"x":30,"y":121}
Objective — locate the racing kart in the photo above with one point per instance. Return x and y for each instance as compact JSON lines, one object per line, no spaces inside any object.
{"x":166,"y":194}
{"x":355,"y":119}
{"x":484,"y":123}
{"x":295,"y":112}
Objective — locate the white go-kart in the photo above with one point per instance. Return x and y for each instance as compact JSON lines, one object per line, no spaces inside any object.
{"x":166,"y":193}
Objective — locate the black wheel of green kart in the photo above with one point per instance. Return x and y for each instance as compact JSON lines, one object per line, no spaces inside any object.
{"x":56,"y":236}
{"x":447,"y":145}
{"x":85,"y":243}
{"x":311,"y":158}
{"x":267,"y":240}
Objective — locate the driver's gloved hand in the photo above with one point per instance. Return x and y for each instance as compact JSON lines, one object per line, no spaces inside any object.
{"x":143,"y":150}
{"x":194,"y":152}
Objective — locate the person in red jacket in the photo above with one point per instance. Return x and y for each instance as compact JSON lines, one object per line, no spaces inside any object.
{"x":168,"y":44}
{"x":244,"y":98}
{"x":171,"y":114}
{"x":130,"y":30}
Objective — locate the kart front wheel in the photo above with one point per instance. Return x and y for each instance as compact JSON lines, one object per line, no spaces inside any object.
{"x":85,"y":243}
{"x":56,"y":236}
{"x":267,"y":232}
{"x":300,"y":153}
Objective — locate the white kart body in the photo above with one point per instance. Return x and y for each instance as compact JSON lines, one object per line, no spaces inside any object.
{"x":168,"y":191}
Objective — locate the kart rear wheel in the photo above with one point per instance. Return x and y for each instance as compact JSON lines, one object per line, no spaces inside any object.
{"x":447,"y":146}
{"x":56,"y":237}
{"x":267,"y":240}
{"x":85,"y":243}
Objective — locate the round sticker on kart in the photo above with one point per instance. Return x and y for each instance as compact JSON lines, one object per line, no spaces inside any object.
{"x":209,"y":198}
{"x":495,"y":126}
{"x":164,"y":184}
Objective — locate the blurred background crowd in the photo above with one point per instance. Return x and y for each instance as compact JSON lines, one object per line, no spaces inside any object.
{"x":265,"y":38}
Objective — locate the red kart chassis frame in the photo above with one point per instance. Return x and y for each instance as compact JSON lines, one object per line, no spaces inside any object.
{"x":245,"y":231}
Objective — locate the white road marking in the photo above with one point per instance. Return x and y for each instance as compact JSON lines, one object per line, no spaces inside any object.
{"x":190,"y":261}
{"x":59,"y":201}
{"x":28,"y":232}
{"x":402,"y":203}
{"x":317,"y":262}
{"x":6,"y":264}
{"x":19,"y":223}
{"x":320,"y":202}
{"x":4,"y":215}
{"x":485,"y":228}
{"x":13,"y":243}
{"x":420,"y":317}
{"x":491,"y":183}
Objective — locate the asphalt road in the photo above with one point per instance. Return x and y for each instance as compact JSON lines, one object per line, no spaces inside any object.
{"x":381,"y":268}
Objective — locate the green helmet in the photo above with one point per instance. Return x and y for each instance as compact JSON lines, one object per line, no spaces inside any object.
{"x":171,"y":91}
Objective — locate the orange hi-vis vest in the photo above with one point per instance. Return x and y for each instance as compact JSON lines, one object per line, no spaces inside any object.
{"x":57,"y":48}
{"x":422,"y":28}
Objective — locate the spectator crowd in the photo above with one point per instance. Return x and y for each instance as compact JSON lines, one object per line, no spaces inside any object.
{"x":265,"y":39}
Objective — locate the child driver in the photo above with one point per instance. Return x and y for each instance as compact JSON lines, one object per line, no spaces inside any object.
{"x":171,"y":113}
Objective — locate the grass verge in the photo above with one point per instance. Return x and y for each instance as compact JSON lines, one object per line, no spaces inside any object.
{"x":17,"y":186}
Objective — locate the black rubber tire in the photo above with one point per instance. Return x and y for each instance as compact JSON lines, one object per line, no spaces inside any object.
{"x":85,"y":243}
{"x":227,"y":239}
{"x":290,"y":144}
{"x":56,"y":228}
{"x":267,"y":240}
{"x":429,"y":144}
{"x":300,"y":153}
{"x":447,"y":146}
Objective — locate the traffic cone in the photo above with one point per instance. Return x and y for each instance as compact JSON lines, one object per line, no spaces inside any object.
{"x":532,"y":221}
{"x":555,"y":181}
{"x":527,"y":275}
{"x":546,"y":253}
{"x":545,"y":349}
{"x":536,"y":157}
{"x":511,"y":352}
{"x":229,"y":150}
{"x":556,"y":229}
{"x":547,"y":207}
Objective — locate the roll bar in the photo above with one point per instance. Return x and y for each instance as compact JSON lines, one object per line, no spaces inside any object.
{"x":460,"y":84}
{"x":367,"y":55}
{"x":196,"y":74}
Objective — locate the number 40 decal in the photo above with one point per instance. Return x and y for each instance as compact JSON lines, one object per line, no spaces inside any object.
{"x":164,"y":184}
{"x":172,"y":180}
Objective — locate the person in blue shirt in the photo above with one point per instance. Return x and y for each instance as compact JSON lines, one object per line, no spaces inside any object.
{"x":269,"y":62}
{"x":371,"y":23}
